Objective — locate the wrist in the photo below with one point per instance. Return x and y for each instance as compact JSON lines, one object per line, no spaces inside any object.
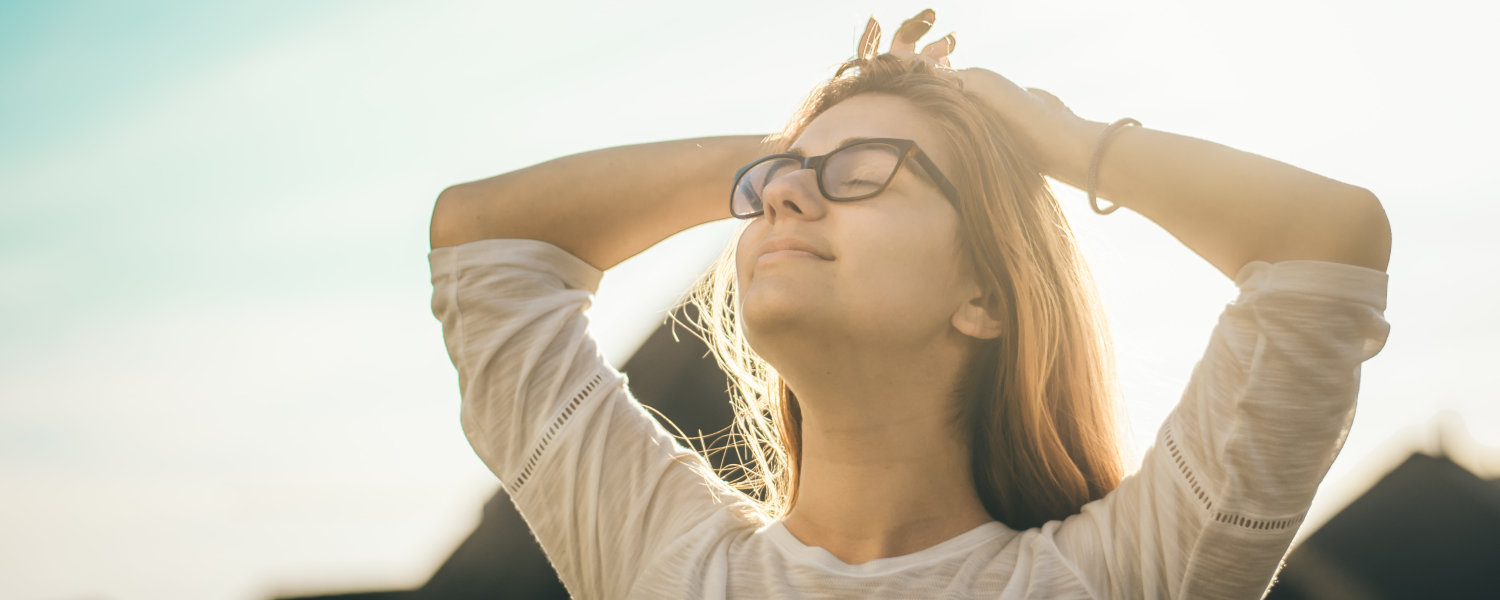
{"x":1066,"y":150}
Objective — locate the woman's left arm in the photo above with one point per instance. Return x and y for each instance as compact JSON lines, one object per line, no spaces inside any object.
{"x":1229,"y":206}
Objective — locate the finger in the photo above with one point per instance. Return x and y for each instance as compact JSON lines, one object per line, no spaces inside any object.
{"x":939,"y":49}
{"x":869,"y":43}
{"x":912,"y":30}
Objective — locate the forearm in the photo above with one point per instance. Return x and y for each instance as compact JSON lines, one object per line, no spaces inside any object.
{"x":1230,"y":207}
{"x":603,"y":206}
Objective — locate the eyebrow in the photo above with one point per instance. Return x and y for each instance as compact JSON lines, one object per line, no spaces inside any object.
{"x":845,"y":142}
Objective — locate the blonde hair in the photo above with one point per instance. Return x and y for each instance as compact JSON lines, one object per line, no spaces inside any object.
{"x":1038,"y":403}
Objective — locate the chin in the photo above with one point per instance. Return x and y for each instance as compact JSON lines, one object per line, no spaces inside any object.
{"x":767,"y":316}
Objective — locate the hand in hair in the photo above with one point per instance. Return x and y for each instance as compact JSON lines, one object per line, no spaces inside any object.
{"x":904,"y":43}
{"x":1039,"y":117}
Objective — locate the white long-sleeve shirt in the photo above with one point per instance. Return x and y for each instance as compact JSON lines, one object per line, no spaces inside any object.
{"x":623,"y":510}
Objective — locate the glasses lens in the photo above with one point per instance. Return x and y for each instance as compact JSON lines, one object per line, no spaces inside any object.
{"x":860,"y":170}
{"x":748,"y":190}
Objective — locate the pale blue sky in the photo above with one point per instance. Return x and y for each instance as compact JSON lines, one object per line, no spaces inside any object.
{"x":216,"y":350}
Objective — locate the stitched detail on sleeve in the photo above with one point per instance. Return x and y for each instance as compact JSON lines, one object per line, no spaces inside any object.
{"x":1220,"y":516}
{"x":557,"y":425}
{"x":1249,"y":523}
{"x":1182,"y":467}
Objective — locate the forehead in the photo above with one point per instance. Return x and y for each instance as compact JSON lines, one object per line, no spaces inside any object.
{"x":870,"y":116}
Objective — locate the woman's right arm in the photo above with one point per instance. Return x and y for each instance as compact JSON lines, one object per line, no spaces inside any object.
{"x":603,"y":206}
{"x":604,"y":487}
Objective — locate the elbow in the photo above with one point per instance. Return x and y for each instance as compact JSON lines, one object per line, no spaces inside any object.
{"x":444,"y":229}
{"x":1372,"y":246}
{"x":1346,"y":226}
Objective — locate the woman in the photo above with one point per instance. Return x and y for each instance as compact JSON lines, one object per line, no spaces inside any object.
{"x":924,"y":380}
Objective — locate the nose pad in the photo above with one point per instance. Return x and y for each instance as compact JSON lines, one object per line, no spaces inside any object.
{"x":797,"y":193}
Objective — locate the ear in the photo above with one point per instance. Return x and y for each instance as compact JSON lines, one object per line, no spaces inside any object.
{"x":977,"y":317}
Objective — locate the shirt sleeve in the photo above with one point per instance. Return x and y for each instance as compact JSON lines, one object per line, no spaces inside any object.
{"x":1222,"y":491}
{"x":603,"y":486}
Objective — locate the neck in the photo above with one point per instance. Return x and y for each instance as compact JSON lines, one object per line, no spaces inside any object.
{"x":884,"y":471}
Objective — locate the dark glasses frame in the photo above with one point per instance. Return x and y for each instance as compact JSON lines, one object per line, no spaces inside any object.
{"x":904,"y":147}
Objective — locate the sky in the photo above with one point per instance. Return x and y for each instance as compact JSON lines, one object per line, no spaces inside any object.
{"x":219,"y":373}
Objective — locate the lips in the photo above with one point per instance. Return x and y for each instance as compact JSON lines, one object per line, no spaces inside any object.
{"x":790,"y":243}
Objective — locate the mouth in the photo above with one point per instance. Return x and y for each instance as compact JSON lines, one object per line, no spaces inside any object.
{"x":789,"y":254}
{"x":787,"y":246}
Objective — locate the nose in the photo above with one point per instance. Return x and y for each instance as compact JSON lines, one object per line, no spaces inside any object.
{"x":794,"y":195}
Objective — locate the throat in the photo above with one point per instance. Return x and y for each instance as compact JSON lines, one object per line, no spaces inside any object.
{"x":872,"y":543}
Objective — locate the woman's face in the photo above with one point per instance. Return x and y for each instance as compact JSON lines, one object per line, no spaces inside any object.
{"x":891,"y":277}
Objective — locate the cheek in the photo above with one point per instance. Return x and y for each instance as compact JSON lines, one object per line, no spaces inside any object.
{"x":909,"y":274}
{"x":742,"y":264}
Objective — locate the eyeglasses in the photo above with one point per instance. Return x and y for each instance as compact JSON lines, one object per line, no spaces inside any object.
{"x":855,"y":171}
